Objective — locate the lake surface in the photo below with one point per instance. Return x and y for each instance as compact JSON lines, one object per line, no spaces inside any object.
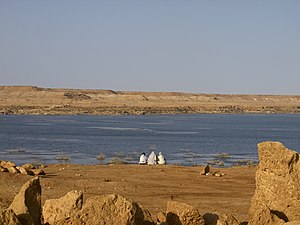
{"x":183,"y":139}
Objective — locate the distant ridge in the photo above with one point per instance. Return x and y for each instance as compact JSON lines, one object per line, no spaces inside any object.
{"x":60,"y":101}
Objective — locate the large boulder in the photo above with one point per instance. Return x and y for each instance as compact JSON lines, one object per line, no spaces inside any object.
{"x":183,"y":214}
{"x":277,"y":182}
{"x":63,"y":208}
{"x":110,"y":209}
{"x":27,"y":203}
{"x":8,"y":217}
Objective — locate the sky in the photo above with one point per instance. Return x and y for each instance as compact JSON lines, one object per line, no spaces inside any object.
{"x":211,"y":46}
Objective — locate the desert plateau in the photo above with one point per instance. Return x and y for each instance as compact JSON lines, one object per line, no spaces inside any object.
{"x":54,"y":101}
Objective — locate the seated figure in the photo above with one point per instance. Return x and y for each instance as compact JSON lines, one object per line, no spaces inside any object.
{"x":143,"y":159}
{"x":152,"y":159}
{"x":161,"y":159}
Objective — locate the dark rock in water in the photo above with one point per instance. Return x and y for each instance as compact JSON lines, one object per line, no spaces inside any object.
{"x":277,"y":182}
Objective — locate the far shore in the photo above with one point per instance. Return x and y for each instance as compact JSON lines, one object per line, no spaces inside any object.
{"x":53,"y":101}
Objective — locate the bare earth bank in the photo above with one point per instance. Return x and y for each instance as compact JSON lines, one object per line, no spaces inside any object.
{"x":150,"y":186}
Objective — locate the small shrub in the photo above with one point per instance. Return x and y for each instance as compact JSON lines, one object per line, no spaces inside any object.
{"x":117,"y":161}
{"x":100,"y":156}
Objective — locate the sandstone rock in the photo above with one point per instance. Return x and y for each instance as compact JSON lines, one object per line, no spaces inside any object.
{"x":112,"y":209}
{"x":7,"y":164}
{"x":183,"y":214}
{"x":264,"y":216}
{"x":277,"y":182}
{"x":205,"y":171}
{"x":63,"y":208}
{"x":161,"y":217}
{"x":24,"y":171}
{"x":13,"y":170}
{"x":8,"y":217}
{"x":28,"y":166}
{"x":27,"y":203}
{"x":2,"y":169}
{"x":38,"y":172}
{"x":226,"y":219}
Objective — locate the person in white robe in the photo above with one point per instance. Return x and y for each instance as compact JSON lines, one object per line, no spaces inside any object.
{"x":143,"y":159}
{"x":152,"y":159}
{"x":161,"y":159}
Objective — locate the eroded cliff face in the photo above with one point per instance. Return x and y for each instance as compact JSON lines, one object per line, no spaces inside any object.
{"x":35,"y":100}
{"x":277,"y":185}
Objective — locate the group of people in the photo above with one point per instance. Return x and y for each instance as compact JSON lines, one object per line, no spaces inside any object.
{"x":152,"y":159}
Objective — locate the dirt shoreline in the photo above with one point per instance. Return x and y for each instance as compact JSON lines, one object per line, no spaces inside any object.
{"x":150,"y":186}
{"x":54,"y":101}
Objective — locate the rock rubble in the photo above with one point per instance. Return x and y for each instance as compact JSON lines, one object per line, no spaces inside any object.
{"x":276,"y":200}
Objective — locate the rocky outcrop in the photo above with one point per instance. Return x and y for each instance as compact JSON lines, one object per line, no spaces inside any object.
{"x":183,"y":214}
{"x":13,"y":170}
{"x":28,"y":166}
{"x":62,"y":209}
{"x":113,"y":209}
{"x":27,"y":169}
{"x":27,"y":203}
{"x":7,"y":164}
{"x":8,"y":217}
{"x":277,"y":184}
{"x":24,"y":171}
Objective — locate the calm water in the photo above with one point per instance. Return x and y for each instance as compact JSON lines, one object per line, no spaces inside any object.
{"x":184,"y":139}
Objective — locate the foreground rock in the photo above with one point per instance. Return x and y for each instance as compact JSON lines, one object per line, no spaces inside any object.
{"x":226,"y":219}
{"x":277,"y":184}
{"x":266,"y":217}
{"x":66,"y":207}
{"x":183,"y":214}
{"x":110,"y":209}
{"x":27,"y":203}
{"x":8,"y":217}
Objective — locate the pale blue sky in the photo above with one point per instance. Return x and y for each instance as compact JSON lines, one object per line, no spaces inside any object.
{"x":246,"y":47}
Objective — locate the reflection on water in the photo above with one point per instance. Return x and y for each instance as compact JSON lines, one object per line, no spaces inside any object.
{"x":184,"y":139}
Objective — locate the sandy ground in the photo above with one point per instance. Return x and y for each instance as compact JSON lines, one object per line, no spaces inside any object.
{"x":150,"y":186}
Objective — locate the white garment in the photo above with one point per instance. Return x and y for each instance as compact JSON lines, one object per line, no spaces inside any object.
{"x":143,"y":159}
{"x":161,"y":159}
{"x":152,"y":158}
